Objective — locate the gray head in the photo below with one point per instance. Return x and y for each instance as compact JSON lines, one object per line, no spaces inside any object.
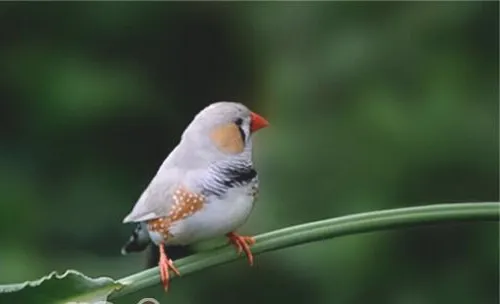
{"x":223,"y":129}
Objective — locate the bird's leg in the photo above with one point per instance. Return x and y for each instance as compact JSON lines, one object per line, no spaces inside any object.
{"x":165,"y":265}
{"x":242,"y":243}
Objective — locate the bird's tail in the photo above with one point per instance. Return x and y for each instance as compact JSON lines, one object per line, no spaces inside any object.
{"x":138,"y":241}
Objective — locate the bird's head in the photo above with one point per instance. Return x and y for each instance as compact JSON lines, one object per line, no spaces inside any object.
{"x":226,"y":126}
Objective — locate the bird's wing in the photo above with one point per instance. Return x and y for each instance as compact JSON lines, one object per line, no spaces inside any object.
{"x":156,"y":201}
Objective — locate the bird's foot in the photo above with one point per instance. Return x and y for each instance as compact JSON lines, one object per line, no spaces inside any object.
{"x":242,"y":243}
{"x":165,"y":265}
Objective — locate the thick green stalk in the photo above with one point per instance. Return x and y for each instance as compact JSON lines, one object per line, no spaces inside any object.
{"x":320,"y":230}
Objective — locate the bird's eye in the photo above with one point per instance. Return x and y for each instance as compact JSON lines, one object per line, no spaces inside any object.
{"x":238,"y":121}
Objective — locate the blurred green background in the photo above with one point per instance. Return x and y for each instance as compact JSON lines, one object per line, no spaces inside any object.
{"x":372,"y":105}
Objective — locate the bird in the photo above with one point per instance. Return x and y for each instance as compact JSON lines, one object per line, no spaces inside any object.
{"x":205,"y":188}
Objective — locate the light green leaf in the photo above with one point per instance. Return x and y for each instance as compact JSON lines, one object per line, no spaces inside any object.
{"x":69,"y":287}
{"x":74,"y":287}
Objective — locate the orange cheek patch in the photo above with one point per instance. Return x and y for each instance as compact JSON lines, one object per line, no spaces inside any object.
{"x":185,"y":204}
{"x":228,"y":139}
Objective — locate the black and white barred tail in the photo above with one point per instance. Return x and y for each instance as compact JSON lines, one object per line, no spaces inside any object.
{"x":138,"y":241}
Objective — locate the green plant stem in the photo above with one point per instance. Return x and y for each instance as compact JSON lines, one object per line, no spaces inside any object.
{"x":320,"y":230}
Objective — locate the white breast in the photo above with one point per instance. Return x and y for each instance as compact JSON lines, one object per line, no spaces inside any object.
{"x":216,"y":218}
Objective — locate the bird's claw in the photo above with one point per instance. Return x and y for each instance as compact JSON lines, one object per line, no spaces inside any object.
{"x":165,"y":265}
{"x":242,"y":244}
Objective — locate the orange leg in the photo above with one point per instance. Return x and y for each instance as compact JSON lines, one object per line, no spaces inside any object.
{"x":242,"y":243}
{"x":165,"y":265}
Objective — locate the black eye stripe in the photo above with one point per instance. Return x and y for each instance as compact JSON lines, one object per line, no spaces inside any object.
{"x":243,"y":137}
{"x":239,"y":122}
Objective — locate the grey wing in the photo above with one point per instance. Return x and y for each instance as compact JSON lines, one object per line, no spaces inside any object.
{"x":156,"y":200}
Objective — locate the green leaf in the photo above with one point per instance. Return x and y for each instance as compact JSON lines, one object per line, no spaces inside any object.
{"x":71,"y":286}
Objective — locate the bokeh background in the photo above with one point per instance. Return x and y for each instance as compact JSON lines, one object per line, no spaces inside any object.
{"x":373,"y":105}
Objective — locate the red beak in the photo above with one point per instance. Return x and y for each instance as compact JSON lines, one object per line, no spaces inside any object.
{"x":257,"y":122}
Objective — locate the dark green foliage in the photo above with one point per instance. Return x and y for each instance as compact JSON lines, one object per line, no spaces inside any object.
{"x":372,"y":105}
